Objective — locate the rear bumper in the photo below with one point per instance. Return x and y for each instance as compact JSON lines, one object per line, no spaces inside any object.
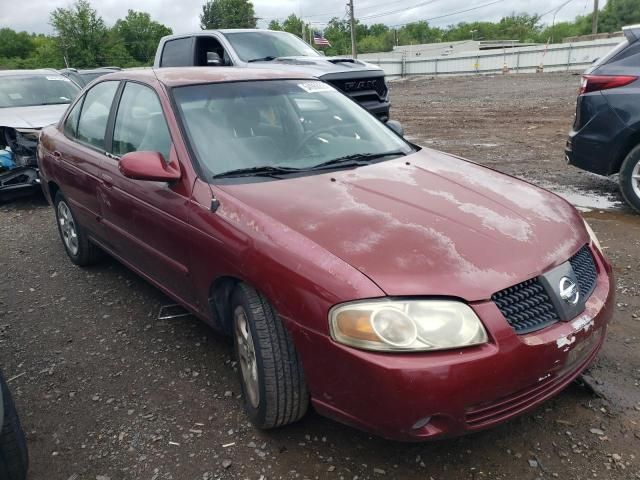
{"x":597,"y":143}
{"x":414,"y":397}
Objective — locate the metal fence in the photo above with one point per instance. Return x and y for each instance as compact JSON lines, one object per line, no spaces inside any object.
{"x":551,"y":58}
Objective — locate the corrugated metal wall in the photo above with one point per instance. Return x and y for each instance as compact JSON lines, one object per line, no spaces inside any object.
{"x":555,"y":57}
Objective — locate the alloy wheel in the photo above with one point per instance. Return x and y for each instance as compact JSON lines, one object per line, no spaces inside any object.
{"x":247,"y":356}
{"x":635,"y":179}
{"x":68,"y":228}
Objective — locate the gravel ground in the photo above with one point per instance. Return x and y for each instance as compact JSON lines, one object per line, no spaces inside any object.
{"x":107,"y":392}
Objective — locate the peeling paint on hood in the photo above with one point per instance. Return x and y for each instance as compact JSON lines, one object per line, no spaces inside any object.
{"x":438,"y":226}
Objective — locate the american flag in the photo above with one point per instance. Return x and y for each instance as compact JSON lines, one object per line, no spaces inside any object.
{"x":318,"y":39}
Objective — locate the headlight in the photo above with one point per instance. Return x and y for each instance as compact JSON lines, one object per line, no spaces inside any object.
{"x":594,"y":239}
{"x":406,"y":326}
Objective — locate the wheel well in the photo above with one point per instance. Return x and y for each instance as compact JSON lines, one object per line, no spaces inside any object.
{"x":53,"y":190}
{"x":220,"y":299}
{"x":632,"y":142}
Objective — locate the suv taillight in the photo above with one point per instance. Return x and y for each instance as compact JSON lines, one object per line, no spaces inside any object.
{"x":595,"y":83}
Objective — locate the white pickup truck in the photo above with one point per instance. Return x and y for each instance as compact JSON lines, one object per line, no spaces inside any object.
{"x":254,"y":48}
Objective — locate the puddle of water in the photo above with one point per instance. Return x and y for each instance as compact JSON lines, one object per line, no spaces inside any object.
{"x":586,"y":201}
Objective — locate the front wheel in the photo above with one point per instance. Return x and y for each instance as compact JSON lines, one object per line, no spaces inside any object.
{"x":273,"y":385}
{"x":74,"y":238}
{"x":630,"y":179}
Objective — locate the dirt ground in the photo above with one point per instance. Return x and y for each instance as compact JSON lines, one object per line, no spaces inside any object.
{"x":106,"y":391}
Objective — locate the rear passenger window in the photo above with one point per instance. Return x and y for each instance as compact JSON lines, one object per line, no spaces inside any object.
{"x":71,"y":123}
{"x":95,"y":114}
{"x":140,"y":123}
{"x":177,"y":53}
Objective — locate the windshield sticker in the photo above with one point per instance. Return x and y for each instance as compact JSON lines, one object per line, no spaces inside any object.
{"x":15,"y":96}
{"x":315,"y":87}
{"x":59,"y":79}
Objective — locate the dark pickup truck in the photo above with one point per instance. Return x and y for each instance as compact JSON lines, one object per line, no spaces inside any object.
{"x":253,"y":48}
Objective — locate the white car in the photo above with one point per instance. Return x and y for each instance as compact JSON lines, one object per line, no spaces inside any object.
{"x":29,"y":101}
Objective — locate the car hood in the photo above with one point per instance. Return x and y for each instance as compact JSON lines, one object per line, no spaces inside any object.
{"x":426,"y":224}
{"x":318,"y":66}
{"x":31,"y":117}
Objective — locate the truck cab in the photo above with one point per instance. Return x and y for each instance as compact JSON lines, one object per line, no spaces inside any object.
{"x":255,"y":48}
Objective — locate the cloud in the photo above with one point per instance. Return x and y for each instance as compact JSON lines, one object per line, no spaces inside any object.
{"x":182,"y":15}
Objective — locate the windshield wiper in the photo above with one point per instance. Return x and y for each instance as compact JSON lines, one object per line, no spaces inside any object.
{"x":264,"y":171}
{"x":356,"y":159}
{"x":268,"y":58}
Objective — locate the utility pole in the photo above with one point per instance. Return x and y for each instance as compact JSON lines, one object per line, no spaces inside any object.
{"x":354,"y":51}
{"x":594,"y":19}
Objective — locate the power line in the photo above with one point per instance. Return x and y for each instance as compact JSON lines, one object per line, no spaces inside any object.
{"x":478,"y":7}
{"x":391,"y":12}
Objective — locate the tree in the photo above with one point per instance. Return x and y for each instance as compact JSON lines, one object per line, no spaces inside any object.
{"x":293,"y":24}
{"x":15,"y":44}
{"x":80,"y":34}
{"x":227,"y":14}
{"x":275,"y":25}
{"x":140,"y":35}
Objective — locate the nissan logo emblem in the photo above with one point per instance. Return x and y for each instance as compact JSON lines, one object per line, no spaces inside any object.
{"x":569,"y":291}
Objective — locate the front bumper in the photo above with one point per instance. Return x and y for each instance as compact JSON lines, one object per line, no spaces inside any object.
{"x":18,"y":182}
{"x":424,"y":396}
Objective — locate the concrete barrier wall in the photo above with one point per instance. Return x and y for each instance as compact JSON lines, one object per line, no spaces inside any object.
{"x":556,"y":57}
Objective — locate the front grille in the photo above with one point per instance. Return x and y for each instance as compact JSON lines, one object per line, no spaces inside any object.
{"x":526,"y":306}
{"x":585,"y":269}
{"x":362,"y":85}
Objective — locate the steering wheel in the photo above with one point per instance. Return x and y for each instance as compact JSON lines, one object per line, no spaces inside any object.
{"x":332,"y":130}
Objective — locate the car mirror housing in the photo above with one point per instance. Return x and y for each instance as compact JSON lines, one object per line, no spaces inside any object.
{"x":396,"y":127}
{"x":149,"y":166}
{"x":213,"y":59}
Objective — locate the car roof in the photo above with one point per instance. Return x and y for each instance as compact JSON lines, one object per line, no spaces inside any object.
{"x":40,"y":71}
{"x":179,"y":76}
{"x":223,"y":30}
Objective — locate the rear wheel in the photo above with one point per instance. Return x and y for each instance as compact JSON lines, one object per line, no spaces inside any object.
{"x":74,"y":238}
{"x":630,"y":179}
{"x":14,"y":459}
{"x":273,"y":386}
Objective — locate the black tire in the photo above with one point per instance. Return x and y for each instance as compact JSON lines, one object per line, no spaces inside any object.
{"x":627,"y":180}
{"x":14,"y":459}
{"x":87,"y":253}
{"x":283,"y":396}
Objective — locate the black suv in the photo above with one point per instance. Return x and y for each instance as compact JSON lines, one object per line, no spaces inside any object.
{"x":605,"y":138}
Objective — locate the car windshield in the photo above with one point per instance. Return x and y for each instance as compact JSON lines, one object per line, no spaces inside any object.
{"x":294,"y":125}
{"x":29,"y":90}
{"x":268,"y":45}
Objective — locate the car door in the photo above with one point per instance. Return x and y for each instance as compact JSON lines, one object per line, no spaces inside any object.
{"x":78,"y":159}
{"x":147,"y":219}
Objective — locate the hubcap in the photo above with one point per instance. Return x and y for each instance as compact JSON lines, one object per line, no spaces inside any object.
{"x":635,"y":179}
{"x":68,"y":228}
{"x":247,"y":356}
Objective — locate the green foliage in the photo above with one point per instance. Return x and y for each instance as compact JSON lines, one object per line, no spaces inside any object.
{"x":80,"y":34}
{"x":227,"y":14}
{"x":138,"y":36}
{"x":85,"y":39}
{"x":293,"y":24}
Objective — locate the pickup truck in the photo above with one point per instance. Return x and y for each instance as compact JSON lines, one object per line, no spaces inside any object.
{"x":254,"y":48}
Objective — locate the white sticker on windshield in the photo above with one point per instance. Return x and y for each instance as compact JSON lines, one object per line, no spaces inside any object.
{"x":15,"y":96}
{"x":59,"y":79}
{"x":315,"y":87}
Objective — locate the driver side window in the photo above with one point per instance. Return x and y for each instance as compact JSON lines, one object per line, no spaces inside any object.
{"x":140,"y":123}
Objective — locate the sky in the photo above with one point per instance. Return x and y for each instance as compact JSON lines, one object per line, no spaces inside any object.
{"x":182,"y":15}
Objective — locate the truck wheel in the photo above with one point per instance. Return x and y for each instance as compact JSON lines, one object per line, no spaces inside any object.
{"x":74,"y":238}
{"x":630,"y":179}
{"x":273,"y":385}
{"x":14,"y":459}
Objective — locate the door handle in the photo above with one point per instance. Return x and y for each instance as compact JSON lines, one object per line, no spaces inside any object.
{"x":107,"y":179}
{"x":57,"y":156}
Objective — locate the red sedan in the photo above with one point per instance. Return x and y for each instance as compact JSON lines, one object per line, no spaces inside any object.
{"x":398,"y":289}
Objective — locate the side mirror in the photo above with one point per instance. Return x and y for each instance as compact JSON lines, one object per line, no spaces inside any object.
{"x":396,"y":126}
{"x":148,"y":166}
{"x":213,"y":59}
